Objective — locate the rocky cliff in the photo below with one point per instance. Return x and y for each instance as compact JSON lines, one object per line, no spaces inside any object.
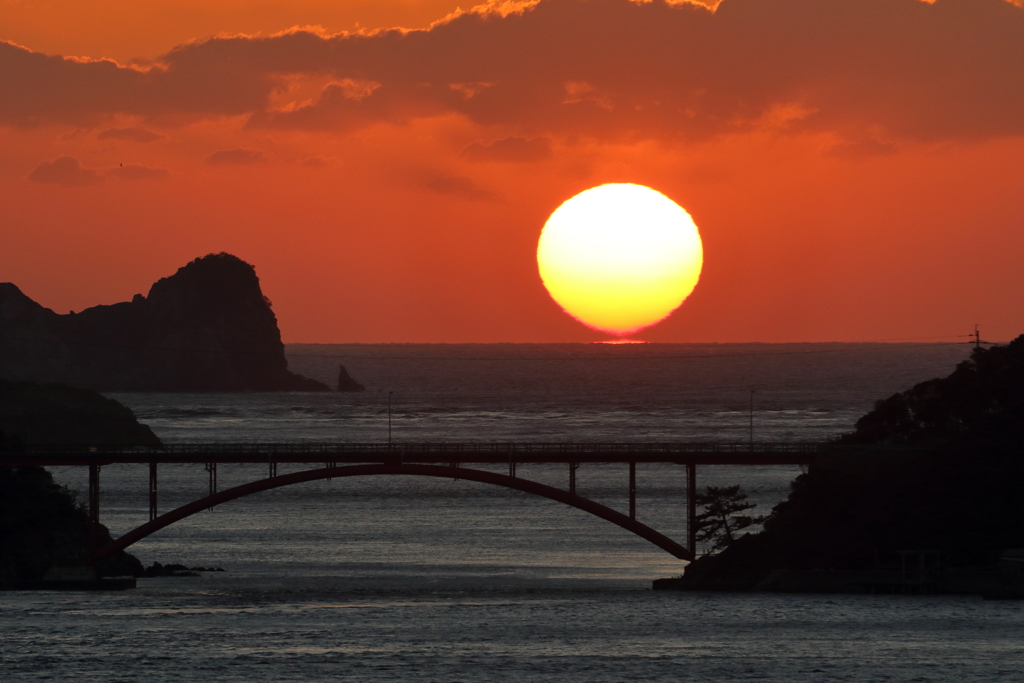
{"x":208,"y":327}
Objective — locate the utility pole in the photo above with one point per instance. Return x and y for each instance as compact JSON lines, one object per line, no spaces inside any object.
{"x":977,"y":337}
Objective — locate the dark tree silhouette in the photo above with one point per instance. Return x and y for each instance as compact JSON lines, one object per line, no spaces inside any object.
{"x":980,"y":405}
{"x":958,"y":488}
{"x":718,"y":523}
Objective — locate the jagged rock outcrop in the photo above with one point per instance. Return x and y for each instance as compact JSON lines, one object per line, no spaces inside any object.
{"x":208,"y":327}
{"x":346,"y":382}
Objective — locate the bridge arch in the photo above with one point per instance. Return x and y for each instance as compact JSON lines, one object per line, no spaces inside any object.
{"x":525,"y":485}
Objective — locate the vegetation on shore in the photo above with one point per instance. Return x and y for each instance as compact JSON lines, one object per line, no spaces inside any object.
{"x":43,"y":524}
{"x":947,"y":476}
{"x":720,"y":518}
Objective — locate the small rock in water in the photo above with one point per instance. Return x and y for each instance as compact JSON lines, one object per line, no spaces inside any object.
{"x":157,"y":569}
{"x":345,"y":381}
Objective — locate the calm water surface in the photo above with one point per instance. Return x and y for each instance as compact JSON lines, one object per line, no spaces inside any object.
{"x":395,"y":578}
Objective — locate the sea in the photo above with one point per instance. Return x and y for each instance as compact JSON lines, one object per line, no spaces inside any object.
{"x":399,"y":578}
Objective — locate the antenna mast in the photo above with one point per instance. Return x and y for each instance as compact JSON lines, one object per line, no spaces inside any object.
{"x":978,"y":341}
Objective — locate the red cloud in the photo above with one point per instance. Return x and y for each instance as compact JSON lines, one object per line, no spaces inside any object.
{"x":869,"y":69}
{"x":64,"y":171}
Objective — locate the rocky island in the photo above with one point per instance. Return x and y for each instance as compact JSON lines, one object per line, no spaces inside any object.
{"x":208,"y":327}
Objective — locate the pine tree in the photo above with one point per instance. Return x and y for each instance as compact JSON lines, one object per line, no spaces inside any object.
{"x":720,"y":519}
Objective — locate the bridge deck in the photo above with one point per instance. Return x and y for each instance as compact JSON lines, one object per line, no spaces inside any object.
{"x":429,"y":453}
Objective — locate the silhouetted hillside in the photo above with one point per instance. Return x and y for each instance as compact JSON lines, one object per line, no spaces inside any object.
{"x":53,"y":414}
{"x":42,"y":522}
{"x":981,"y":403}
{"x":956,"y":490}
{"x":208,"y":327}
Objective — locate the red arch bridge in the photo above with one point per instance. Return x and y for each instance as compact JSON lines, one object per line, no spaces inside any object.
{"x":445,"y":460}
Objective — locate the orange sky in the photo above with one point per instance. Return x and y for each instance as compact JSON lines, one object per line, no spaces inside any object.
{"x":856,"y":167}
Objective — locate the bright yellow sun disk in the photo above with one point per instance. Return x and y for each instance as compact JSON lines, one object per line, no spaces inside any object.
{"x":620,"y":257}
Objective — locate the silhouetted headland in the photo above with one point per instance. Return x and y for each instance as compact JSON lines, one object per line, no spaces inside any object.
{"x":944,"y":515}
{"x":208,"y":327}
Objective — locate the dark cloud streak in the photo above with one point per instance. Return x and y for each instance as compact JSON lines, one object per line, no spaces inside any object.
{"x":457,"y":185}
{"x":514,"y":150}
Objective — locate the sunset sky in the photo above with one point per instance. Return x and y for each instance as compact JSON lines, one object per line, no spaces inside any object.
{"x":855,"y":167}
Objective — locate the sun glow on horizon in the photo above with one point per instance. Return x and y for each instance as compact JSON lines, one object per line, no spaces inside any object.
{"x":620,"y":257}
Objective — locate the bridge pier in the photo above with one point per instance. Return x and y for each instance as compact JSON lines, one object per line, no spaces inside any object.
{"x":211,"y":467}
{"x":691,"y":507}
{"x":573,"y":466}
{"x":632,"y":489}
{"x":152,"y":491}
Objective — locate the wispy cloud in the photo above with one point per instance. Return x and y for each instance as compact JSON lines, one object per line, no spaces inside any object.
{"x":138,"y":172}
{"x":130,"y":134}
{"x":236,"y":157}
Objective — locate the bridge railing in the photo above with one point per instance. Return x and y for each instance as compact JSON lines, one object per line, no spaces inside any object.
{"x":458,"y":447}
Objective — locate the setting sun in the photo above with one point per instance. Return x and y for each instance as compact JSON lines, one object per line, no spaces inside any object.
{"x":620,"y":257}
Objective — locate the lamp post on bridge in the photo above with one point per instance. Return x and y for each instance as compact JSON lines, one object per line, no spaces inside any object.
{"x":751,"y":420}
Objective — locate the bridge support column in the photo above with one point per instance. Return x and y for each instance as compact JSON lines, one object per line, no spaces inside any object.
{"x":152,"y":491}
{"x":94,"y":508}
{"x":572,"y":477}
{"x":632,"y":490}
{"x":691,"y":507}
{"x":211,"y":467}
{"x":273,"y":469}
